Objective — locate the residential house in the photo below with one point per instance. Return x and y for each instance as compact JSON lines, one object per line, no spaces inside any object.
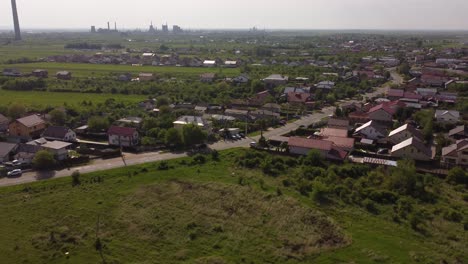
{"x":384,"y":112}
{"x":207,"y":77}
{"x":275,"y":80}
{"x":241,"y":79}
{"x":209,"y":63}
{"x":260,"y":98}
{"x":447,"y":116}
{"x":145,"y":77}
{"x":403,"y":133}
{"x":56,"y":147}
{"x":288,"y":90}
{"x":59,"y":133}
{"x":460,"y":132}
{"x":26,"y":152}
{"x":302,"y":146}
{"x":371,"y":130}
{"x":335,"y":132}
{"x":27,"y":127}
{"x":446,"y":97}
{"x":11,"y":72}
{"x":231,"y":64}
{"x":238,"y":114}
{"x":395,"y":94}
{"x":338,"y":123}
{"x":123,"y":136}
{"x":6,"y":151}
{"x":276,"y":108}
{"x":299,"y":99}
{"x":325,"y":85}
{"x":4,"y":121}
{"x":39,"y":73}
{"x":195,"y":120}
{"x":264,"y":114}
{"x":412,"y":148}
{"x":130,"y":121}
{"x":63,"y":75}
{"x":427,"y":93}
{"x":456,"y":154}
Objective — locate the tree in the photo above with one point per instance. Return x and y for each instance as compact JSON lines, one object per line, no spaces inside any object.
{"x":192,"y":134}
{"x":98,"y":124}
{"x":172,"y":137}
{"x":458,"y":176}
{"x":162,"y":101}
{"x":58,"y":117}
{"x":43,"y":160}
{"x":16,"y":110}
{"x":76,"y":178}
{"x":404,"y":68}
{"x":313,"y":158}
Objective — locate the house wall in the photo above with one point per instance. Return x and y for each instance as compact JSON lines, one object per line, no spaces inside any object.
{"x":18,"y":129}
{"x":412,"y":153}
{"x":123,"y":141}
{"x":447,"y":119}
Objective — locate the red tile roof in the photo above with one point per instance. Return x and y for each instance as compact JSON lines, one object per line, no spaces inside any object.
{"x":310,"y":143}
{"x":121,"y":131}
{"x":298,"y":97}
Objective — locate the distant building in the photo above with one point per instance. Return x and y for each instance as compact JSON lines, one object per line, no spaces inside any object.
{"x":39,"y":73}
{"x":207,"y":77}
{"x":456,"y":154}
{"x":165,"y":29}
{"x":63,"y":75}
{"x":412,"y":148}
{"x":123,"y":136}
{"x":195,"y":120}
{"x":145,"y":77}
{"x":176,"y":29}
{"x":59,"y":133}
{"x":275,"y":80}
{"x":11,"y":72}
{"x":447,"y":116}
{"x":93,"y":29}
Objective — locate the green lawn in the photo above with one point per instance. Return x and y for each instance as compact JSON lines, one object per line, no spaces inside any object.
{"x":90,"y":70}
{"x":40,"y":99}
{"x":194,"y":214}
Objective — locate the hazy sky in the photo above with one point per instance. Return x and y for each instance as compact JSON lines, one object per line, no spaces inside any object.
{"x":271,"y":14}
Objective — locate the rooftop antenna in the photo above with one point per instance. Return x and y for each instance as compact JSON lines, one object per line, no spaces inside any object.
{"x":15,"y":20}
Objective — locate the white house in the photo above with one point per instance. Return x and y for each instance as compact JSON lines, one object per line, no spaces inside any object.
{"x":371,"y":130}
{"x":195,"y":120}
{"x":123,"y":136}
{"x":447,"y":116}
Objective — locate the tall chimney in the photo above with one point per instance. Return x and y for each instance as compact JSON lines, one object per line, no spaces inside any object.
{"x":115,"y":26}
{"x":15,"y":20}
{"x":108,"y":26}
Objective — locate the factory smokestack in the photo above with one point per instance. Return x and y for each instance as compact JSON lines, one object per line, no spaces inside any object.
{"x":115,"y":26}
{"x":108,"y":26}
{"x":15,"y":20}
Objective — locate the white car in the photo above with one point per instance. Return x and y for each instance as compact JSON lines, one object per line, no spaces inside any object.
{"x":16,"y":172}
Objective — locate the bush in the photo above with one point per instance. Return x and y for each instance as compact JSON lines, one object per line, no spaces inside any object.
{"x":215,"y":155}
{"x":457,"y":176}
{"x":199,"y":159}
{"x":43,"y":160}
{"x":76,"y":178}
{"x":383,"y":196}
{"x":163,"y":165}
{"x":370,"y":206}
{"x":319,"y":192}
{"x":453,"y":215}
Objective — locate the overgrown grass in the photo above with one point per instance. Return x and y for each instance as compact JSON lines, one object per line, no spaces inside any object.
{"x":214,"y":212}
{"x":96,"y":70}
{"x":38,"y":99}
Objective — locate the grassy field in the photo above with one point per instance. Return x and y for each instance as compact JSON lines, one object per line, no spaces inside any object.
{"x":41,"y":99}
{"x":89,"y":70}
{"x":194,"y":214}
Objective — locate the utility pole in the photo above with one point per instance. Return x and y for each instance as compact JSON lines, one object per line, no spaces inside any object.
{"x":15,"y":20}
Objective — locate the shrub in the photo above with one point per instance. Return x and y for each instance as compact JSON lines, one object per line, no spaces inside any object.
{"x":199,"y":159}
{"x":43,"y":160}
{"x":370,"y":206}
{"x":163,"y":165}
{"x":383,"y":196}
{"x":453,"y":215}
{"x":76,"y":178}
{"x":215,"y":155}
{"x":457,"y":176}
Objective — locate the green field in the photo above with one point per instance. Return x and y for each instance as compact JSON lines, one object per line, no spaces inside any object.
{"x":89,"y":70}
{"x":41,"y":99}
{"x":209,"y":213}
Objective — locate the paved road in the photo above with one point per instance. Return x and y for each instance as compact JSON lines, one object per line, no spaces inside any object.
{"x":133,"y":159}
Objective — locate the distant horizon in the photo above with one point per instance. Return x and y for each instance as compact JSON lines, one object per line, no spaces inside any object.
{"x":396,"y":15}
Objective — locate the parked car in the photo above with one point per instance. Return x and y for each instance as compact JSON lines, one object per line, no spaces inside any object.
{"x":16,"y":172}
{"x":16,"y":162}
{"x":253,"y":144}
{"x":242,"y":135}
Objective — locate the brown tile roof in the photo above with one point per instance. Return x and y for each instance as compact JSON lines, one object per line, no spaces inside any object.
{"x":310,"y":143}
{"x":121,"y":131}
{"x":30,"y":121}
